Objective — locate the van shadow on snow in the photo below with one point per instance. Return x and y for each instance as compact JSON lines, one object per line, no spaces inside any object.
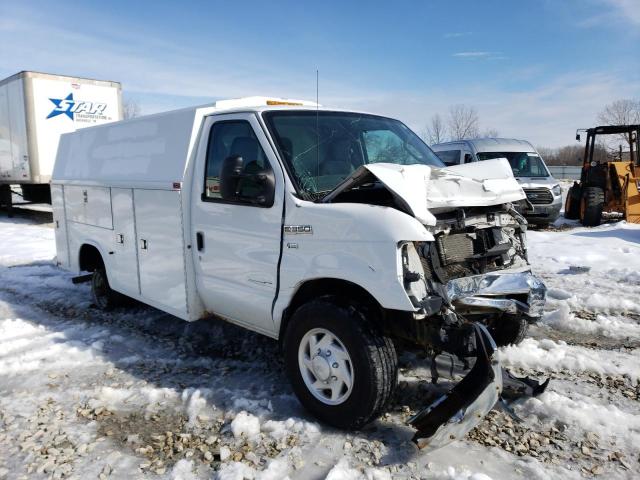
{"x":180,"y":355}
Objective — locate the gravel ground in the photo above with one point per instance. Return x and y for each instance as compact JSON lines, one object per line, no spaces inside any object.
{"x":136,"y":393}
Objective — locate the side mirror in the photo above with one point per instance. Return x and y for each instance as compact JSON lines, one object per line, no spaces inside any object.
{"x":578,"y":137}
{"x":229,"y":174}
{"x":238,"y":185}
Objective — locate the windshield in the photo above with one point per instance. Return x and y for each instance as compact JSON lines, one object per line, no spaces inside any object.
{"x":323,"y":148}
{"x":523,"y":164}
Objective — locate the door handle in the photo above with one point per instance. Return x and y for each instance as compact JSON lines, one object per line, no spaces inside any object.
{"x":143,"y":244}
{"x":200,"y":241}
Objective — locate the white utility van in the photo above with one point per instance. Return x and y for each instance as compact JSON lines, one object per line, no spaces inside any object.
{"x":543,"y":192}
{"x":338,"y":233}
{"x":35,"y":109}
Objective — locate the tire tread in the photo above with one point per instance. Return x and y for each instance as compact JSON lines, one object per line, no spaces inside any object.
{"x":594,"y":203}
{"x":380,"y":352}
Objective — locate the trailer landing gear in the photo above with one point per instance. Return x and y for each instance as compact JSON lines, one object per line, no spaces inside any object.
{"x":5,"y":199}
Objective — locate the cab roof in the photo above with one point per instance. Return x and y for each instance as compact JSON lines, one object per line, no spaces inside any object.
{"x":245,"y":104}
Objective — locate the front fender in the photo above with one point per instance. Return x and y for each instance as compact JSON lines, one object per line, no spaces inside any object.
{"x":357,"y":243}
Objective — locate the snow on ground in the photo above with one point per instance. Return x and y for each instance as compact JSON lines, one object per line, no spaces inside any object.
{"x":136,"y":393}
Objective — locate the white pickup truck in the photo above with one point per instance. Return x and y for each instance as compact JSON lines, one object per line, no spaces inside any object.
{"x":340,"y":234}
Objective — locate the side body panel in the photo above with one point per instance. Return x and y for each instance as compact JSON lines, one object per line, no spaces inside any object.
{"x":80,"y":234}
{"x":89,"y":205}
{"x":60,"y":225}
{"x":143,"y":164}
{"x":145,"y":152}
{"x":158,"y":217}
{"x":124,"y":274}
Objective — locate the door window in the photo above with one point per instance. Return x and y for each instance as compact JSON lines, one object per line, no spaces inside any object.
{"x":449,"y":157}
{"x":230,"y":139}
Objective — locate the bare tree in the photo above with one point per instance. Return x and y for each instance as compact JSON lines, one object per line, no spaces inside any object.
{"x":130,"y":109}
{"x":435,"y":131}
{"x":463,"y":122}
{"x":621,"y":112}
{"x":570,"y":154}
{"x":490,"y":133}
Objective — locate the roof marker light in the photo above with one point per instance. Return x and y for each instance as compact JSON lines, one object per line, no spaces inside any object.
{"x":283,"y":102}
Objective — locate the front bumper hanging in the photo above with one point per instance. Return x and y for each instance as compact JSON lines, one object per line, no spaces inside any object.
{"x":455,"y":413}
{"x":452,"y":415}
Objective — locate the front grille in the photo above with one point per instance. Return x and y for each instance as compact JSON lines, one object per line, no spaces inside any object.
{"x":539,"y":196}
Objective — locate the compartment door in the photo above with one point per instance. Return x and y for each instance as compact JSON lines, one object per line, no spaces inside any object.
{"x":60,"y":225}
{"x":123,"y":271}
{"x":89,"y":205}
{"x":158,"y":217}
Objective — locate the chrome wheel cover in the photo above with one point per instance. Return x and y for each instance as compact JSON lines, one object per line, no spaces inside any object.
{"x":325,"y":366}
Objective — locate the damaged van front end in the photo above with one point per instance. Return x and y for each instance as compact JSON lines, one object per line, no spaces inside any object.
{"x":470,"y":286}
{"x":477,"y":262}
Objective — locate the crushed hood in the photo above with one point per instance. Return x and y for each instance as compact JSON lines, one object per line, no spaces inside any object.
{"x":421,"y":188}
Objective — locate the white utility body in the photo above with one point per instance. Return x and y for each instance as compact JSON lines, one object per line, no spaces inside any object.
{"x":252,"y":209}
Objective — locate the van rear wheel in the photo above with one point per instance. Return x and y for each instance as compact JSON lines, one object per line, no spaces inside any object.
{"x":342,"y":368}
{"x":103,"y":296}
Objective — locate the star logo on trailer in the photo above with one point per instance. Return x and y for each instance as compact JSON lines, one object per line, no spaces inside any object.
{"x":63,"y":105}
{"x":78,"y":110}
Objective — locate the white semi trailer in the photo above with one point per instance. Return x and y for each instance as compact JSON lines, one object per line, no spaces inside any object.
{"x":340,"y":234}
{"x":35,"y":109}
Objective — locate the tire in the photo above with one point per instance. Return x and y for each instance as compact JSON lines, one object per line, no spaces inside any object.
{"x":572,"y":203}
{"x":103,"y":296}
{"x":591,"y":206}
{"x":509,"y":330}
{"x":371,"y":357}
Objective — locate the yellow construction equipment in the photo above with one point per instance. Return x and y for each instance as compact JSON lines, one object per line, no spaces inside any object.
{"x":607,"y":186}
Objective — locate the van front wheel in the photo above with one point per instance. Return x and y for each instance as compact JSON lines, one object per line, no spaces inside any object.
{"x":343,"y":369}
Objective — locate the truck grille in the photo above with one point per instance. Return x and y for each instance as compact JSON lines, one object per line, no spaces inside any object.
{"x":539,"y":196}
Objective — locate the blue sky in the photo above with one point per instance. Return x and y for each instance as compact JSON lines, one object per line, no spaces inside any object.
{"x":533,"y":69}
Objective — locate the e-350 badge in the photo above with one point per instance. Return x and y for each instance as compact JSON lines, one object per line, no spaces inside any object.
{"x":298,"y":229}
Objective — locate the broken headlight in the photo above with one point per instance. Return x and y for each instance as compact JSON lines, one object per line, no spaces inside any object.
{"x":413,"y":274}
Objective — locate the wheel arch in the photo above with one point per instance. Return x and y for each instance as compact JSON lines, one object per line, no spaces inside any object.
{"x":90,"y":257}
{"x":320,"y":287}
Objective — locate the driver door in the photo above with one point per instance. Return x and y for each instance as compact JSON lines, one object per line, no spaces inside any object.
{"x":237,"y":243}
